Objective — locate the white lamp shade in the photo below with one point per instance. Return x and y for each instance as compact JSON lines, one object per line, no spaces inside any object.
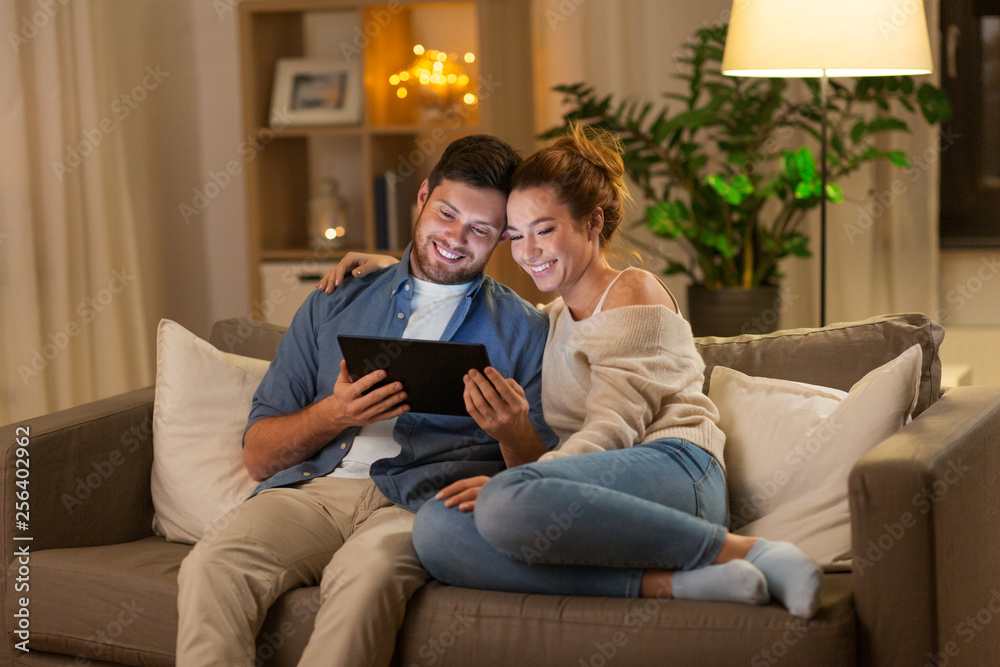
{"x":804,"y":38}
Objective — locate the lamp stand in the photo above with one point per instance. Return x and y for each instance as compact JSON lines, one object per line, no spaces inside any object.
{"x":823,"y":82}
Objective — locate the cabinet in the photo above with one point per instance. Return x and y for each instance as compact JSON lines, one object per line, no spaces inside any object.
{"x":287,"y":163}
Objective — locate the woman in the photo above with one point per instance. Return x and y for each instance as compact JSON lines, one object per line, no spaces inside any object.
{"x":633,"y":500}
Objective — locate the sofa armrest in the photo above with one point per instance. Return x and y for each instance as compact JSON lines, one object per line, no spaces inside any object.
{"x":88,"y":474}
{"x":925,"y":513}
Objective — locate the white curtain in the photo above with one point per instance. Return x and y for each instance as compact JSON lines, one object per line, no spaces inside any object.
{"x":72,"y":326}
{"x":628,"y":48}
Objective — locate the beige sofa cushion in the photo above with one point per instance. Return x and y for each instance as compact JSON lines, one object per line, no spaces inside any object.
{"x":446,"y":625}
{"x":835,"y":356}
{"x":790,"y":448}
{"x":203,"y":400}
{"x":118,"y":603}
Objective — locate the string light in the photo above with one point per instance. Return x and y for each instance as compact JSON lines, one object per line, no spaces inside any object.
{"x":438,"y":77}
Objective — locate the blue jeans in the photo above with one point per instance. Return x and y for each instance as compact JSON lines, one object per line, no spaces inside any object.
{"x":587,"y":524}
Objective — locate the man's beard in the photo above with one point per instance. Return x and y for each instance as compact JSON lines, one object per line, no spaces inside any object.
{"x":440,"y":273}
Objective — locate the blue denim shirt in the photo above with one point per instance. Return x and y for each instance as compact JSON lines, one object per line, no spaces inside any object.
{"x":436,"y":449}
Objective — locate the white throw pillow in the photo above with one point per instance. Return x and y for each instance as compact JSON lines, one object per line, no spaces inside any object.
{"x":790,"y":448}
{"x":203,"y":399}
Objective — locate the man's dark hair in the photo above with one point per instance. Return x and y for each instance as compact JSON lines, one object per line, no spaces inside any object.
{"x":479,"y":160}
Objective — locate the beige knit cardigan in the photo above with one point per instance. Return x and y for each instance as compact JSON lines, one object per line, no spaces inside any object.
{"x":623,"y":377}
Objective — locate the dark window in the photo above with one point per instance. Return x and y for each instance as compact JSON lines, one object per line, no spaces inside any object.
{"x":970,"y":157}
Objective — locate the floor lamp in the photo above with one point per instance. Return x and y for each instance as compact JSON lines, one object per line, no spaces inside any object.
{"x":823,"y":39}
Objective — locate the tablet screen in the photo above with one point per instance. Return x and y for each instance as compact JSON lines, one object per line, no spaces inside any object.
{"x":430,"y":371}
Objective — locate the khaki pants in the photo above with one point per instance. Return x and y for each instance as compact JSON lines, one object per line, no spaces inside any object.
{"x":341,"y":533}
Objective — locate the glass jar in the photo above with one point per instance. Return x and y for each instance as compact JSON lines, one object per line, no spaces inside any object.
{"x":327,"y":217}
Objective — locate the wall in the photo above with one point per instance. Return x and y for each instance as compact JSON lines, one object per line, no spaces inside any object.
{"x":970,"y":311}
{"x":195,"y":264}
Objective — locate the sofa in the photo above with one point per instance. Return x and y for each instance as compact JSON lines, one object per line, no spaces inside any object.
{"x":94,"y":585}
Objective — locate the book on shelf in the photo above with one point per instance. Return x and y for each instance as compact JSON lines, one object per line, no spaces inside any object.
{"x":381,"y":214}
{"x":400,"y":224}
{"x":393,"y":212}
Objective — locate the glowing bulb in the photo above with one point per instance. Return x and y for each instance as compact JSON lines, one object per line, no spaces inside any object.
{"x":331,"y":233}
{"x":394,"y":80}
{"x":401,"y":92}
{"x":469,"y":58}
{"x":452,"y":78}
{"x":463,"y":80}
{"x":438,"y":67}
{"x":469,"y":98}
{"x":419,"y":50}
{"x":424,"y":79}
{"x":404,"y":76}
{"x":441,"y":56}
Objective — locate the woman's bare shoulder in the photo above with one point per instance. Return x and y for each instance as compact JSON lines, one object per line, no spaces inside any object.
{"x":639,"y":288}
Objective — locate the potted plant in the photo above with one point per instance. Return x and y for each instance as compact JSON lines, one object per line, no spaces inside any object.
{"x":722,"y":176}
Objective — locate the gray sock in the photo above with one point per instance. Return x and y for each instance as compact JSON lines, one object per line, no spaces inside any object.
{"x":791,"y":576}
{"x":735,"y":581}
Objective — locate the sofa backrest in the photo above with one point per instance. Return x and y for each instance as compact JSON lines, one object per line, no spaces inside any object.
{"x":238,"y":335}
{"x":836,"y":356}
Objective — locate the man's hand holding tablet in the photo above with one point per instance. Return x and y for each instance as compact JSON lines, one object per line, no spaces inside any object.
{"x":355,"y":403}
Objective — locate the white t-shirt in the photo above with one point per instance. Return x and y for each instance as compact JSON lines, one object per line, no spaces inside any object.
{"x":430,"y":311}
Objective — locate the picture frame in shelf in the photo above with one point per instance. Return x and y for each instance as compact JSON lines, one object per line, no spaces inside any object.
{"x":309,"y":92}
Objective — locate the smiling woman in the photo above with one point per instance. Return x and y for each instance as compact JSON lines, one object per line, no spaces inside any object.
{"x":621,"y":387}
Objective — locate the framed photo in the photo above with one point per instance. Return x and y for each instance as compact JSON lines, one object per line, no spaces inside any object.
{"x":315,"y":92}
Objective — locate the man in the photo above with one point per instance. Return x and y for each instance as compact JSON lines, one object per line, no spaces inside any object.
{"x":342,"y":470}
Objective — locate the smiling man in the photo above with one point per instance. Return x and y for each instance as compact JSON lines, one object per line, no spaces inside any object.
{"x":342,"y":471}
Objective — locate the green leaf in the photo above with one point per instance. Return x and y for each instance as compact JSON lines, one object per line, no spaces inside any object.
{"x":899,"y":159}
{"x":660,"y":128}
{"x":834,"y":193}
{"x":673,"y":268}
{"x":934,"y":103}
{"x":797,"y":244}
{"x":742,"y":184}
{"x":788,"y":166}
{"x":738,"y":158}
{"x":696,"y":163}
{"x":884,"y":124}
{"x":863,"y":88}
{"x":858,"y":131}
{"x":804,"y":190}
{"x":805,"y":164}
{"x":837,"y":144}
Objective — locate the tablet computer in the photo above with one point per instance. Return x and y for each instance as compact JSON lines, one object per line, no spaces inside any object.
{"x":430,"y":371}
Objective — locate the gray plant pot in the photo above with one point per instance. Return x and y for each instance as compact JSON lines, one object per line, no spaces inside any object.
{"x":733,"y":311}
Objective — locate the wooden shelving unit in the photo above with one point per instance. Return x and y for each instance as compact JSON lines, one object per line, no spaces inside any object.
{"x":393,"y":133}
